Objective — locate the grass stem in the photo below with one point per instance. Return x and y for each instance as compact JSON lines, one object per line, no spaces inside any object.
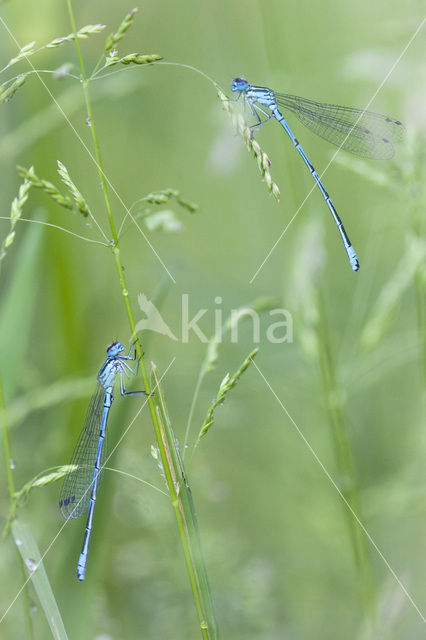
{"x":170,"y":472}
{"x":344,"y":460}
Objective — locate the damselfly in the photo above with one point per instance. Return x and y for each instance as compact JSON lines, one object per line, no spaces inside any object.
{"x":361,"y":132}
{"x":79,"y":490}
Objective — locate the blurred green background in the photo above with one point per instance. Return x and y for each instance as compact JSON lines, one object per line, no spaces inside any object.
{"x":274,"y":530}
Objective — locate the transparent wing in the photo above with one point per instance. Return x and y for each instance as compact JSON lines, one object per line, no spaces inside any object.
{"x":75,"y":492}
{"x":373,"y":135}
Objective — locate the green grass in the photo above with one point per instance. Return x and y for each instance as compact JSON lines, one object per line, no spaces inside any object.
{"x":252,"y":534}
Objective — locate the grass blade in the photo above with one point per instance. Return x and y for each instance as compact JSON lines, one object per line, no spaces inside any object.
{"x":180,"y":491}
{"x":30,"y":553}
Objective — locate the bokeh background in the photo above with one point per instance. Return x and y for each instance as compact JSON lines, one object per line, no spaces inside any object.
{"x":275,"y":533}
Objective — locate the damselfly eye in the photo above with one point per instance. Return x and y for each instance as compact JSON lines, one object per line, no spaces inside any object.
{"x":239,"y":84}
{"x":115,"y":348}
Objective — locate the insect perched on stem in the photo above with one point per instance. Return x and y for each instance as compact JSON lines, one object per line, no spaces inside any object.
{"x":79,"y":490}
{"x":361,"y":132}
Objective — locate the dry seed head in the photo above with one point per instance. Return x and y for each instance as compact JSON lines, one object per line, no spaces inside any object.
{"x":82,"y":33}
{"x":246,"y":134}
{"x":113,"y":38}
{"x":26,"y":51}
{"x":266,"y":163}
{"x":8,"y":91}
{"x":256,"y":148}
{"x":275,"y":191}
{"x":10,"y":238}
{"x":268,"y":180}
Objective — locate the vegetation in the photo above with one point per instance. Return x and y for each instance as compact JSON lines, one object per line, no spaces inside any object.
{"x":272,"y":486}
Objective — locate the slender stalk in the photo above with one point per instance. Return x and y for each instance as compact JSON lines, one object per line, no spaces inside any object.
{"x":169,"y":470}
{"x":115,"y":243}
{"x":10,"y":480}
{"x":191,"y":411}
{"x":186,"y":520}
{"x":419,"y":285}
{"x":345,"y":464}
{"x":420,"y":292}
{"x":420,"y":295}
{"x":417,"y":194}
{"x":11,"y":483}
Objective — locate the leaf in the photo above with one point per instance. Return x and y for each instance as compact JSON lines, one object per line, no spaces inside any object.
{"x":31,"y":556}
{"x":17,"y":305}
{"x":186,"y":512}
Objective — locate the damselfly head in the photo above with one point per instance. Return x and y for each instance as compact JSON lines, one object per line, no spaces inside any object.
{"x":239,"y":84}
{"x":115,"y":349}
